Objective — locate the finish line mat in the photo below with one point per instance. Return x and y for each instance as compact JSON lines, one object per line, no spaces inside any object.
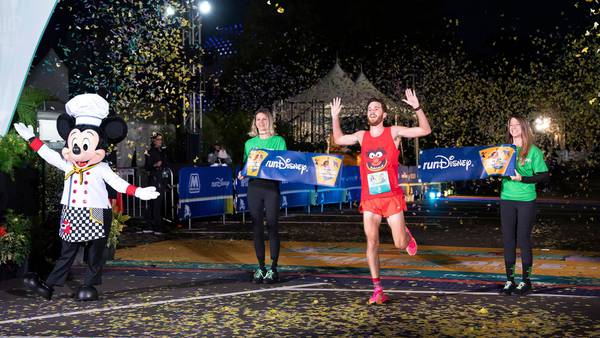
{"x":556,"y":267}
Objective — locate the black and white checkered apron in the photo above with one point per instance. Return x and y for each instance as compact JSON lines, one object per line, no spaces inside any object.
{"x":83,"y":224}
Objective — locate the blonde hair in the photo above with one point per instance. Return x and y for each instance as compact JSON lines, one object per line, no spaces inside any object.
{"x":254,"y":130}
{"x":526,"y":136}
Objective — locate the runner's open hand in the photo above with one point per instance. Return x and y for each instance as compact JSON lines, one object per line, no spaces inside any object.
{"x":411,"y":98}
{"x":336,"y":107}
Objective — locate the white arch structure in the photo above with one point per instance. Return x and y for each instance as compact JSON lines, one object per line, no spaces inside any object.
{"x":22,"y":23}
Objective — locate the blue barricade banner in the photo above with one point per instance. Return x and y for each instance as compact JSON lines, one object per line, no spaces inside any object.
{"x":292,"y":195}
{"x":407,"y":174}
{"x":240,"y":200}
{"x":350,"y":180}
{"x":327,"y":195}
{"x":296,"y":194}
{"x":468,"y":163}
{"x":205,"y":191}
{"x":294,"y":167}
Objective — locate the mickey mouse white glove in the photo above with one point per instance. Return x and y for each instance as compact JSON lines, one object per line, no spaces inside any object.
{"x":26,"y":132}
{"x":147,"y":193}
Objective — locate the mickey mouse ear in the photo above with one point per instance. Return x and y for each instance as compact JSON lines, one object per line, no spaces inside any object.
{"x":64,"y":125}
{"x":114,"y":128}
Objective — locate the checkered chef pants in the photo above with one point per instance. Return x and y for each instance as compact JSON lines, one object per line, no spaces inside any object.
{"x":84,"y":224}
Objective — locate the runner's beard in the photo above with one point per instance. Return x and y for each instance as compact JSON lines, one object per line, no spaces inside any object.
{"x":375,"y":121}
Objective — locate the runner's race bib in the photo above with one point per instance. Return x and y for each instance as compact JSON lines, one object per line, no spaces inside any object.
{"x":378,"y":183}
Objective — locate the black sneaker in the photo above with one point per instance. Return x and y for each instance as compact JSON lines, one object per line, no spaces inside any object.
{"x":271,"y":277}
{"x":524,"y":288}
{"x":259,"y":275}
{"x":509,"y":288}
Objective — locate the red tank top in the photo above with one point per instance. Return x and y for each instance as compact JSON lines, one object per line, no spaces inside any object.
{"x":379,"y":166}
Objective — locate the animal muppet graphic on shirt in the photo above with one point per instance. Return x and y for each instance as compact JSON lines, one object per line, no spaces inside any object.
{"x":377,"y":178}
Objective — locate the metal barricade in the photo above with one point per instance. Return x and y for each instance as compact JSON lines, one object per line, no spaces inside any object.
{"x":132,"y":206}
{"x":169,"y":198}
{"x":136,"y":207}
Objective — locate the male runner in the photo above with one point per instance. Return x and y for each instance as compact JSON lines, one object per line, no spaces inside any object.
{"x":381,"y":196}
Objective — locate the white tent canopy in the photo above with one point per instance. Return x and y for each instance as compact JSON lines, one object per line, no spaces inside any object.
{"x":338,"y":83}
{"x":367,"y":90}
{"x":335,"y":83}
{"x":308,"y":112}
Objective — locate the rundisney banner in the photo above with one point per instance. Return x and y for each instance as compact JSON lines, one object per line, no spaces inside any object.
{"x":467,"y":163}
{"x":294,"y":167}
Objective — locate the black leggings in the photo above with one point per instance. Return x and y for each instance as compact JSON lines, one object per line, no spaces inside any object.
{"x":264,"y":194}
{"x":517,"y":220}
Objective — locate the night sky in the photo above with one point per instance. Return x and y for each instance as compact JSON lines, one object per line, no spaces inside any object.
{"x":351,"y":24}
{"x":348,"y":25}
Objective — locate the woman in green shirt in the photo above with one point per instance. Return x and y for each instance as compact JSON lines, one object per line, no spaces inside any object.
{"x":264,"y":195}
{"x":517,"y":204}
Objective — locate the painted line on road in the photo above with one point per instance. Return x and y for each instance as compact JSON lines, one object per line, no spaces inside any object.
{"x":206,"y":232}
{"x":297,"y":271}
{"x":475,"y":293}
{"x":162,"y":302}
{"x":349,"y":222}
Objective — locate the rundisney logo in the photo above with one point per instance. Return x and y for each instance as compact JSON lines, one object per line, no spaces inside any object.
{"x":286,"y":163}
{"x":219,"y":183}
{"x":444,"y":162}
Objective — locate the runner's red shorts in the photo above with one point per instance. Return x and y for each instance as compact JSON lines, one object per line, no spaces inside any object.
{"x":384,"y":206}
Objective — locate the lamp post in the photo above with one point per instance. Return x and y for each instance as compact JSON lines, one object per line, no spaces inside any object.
{"x":542,"y":124}
{"x":192,"y":101}
{"x":550,"y":128}
{"x":413,"y":77}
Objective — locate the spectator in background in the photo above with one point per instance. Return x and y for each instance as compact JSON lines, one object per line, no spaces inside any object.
{"x":157,"y":165}
{"x":219,"y":156}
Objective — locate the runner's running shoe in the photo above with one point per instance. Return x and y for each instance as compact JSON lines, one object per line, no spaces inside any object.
{"x":378,"y":297}
{"x":411,"y":249}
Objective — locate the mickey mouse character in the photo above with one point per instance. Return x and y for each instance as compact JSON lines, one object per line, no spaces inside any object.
{"x":86,"y":215}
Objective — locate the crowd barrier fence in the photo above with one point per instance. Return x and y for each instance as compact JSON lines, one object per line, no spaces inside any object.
{"x":198,"y":192}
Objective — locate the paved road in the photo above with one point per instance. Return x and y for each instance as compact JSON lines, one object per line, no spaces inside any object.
{"x":207,"y":302}
{"x":197,"y":283}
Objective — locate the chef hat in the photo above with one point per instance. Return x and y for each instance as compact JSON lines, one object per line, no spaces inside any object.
{"x":87,"y":109}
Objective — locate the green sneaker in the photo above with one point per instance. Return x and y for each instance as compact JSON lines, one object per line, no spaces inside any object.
{"x":259,"y":275}
{"x":271,"y":277}
{"x":524,"y":288}
{"x":509,"y":288}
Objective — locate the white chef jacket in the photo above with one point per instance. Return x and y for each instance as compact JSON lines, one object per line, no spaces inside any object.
{"x":89,"y":192}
